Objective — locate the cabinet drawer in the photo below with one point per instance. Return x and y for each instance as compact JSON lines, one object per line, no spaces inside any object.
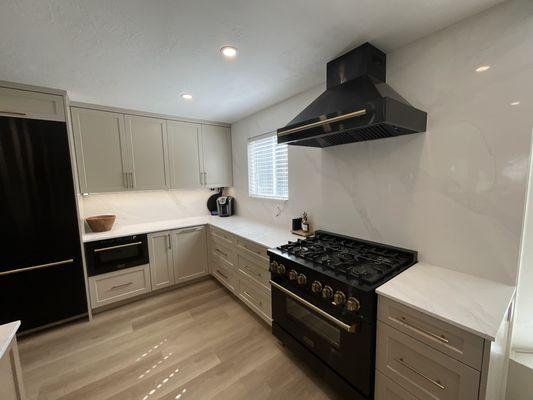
{"x":421,"y":370}
{"x":457,"y":343}
{"x":27,"y":104}
{"x":223,"y":236}
{"x":224,"y":274}
{"x":387,"y":389}
{"x":119,"y":285}
{"x":252,"y":249}
{"x":219,"y":250}
{"x":255,"y":297}
{"x":258,"y":272}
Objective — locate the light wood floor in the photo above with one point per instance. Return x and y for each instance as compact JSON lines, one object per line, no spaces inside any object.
{"x":195,"y":342}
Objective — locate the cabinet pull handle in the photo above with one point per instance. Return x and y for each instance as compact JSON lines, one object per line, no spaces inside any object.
{"x":427,"y":378}
{"x":132,"y":180}
{"x":40,"y":266}
{"x":221,"y":252}
{"x":416,"y":328}
{"x":252,"y":250}
{"x":121,"y":285}
{"x":190,"y":230}
{"x":125,"y":179}
{"x":169,"y":242}
{"x":252,"y":298}
{"x":12,"y":112}
{"x":220,"y":273}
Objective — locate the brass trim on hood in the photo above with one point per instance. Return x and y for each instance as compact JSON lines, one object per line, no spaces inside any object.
{"x":353,"y":114}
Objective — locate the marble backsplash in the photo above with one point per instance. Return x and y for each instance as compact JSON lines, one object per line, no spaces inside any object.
{"x":455,"y":193}
{"x":148,"y":206}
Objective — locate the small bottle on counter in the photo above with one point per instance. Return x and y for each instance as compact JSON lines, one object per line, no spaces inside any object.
{"x":305,"y":223}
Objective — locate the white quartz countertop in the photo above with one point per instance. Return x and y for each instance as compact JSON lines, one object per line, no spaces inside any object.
{"x":263,"y":234}
{"x":474,"y":304}
{"x":7,"y":332}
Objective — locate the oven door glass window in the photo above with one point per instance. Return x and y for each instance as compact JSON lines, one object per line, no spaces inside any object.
{"x":313,"y":322}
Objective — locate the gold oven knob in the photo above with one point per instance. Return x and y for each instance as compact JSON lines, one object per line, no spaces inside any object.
{"x":302,"y":279}
{"x":273,"y":266}
{"x":281,"y":269}
{"x":339,"y":298}
{"x":327,"y":292}
{"x":316,"y":287}
{"x":293,"y":275}
{"x":353,"y":304}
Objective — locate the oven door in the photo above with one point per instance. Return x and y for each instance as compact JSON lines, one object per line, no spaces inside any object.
{"x":346,"y":348}
{"x":114,"y":254}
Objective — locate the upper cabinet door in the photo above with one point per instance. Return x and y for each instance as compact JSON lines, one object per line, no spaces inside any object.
{"x":100,"y":142}
{"x":183,"y":142}
{"x":148,"y":150}
{"x":216,"y":152}
{"x":28,"y":104}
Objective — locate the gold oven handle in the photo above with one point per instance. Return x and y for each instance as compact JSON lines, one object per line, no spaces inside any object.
{"x":330,"y":318}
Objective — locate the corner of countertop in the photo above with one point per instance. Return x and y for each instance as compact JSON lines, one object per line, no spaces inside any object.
{"x":472,"y":303}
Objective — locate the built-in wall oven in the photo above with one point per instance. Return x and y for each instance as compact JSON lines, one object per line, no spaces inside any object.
{"x":110,"y":255}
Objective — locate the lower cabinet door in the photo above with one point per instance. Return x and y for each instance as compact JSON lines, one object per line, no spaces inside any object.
{"x":161,"y":259}
{"x":119,"y":285}
{"x":190,"y":253}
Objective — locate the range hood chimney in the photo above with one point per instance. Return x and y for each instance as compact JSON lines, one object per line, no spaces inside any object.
{"x":357,"y":105}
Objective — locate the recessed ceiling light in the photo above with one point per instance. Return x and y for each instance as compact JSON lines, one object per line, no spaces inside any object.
{"x":515,"y":103}
{"x":186,"y":96}
{"x":483,"y":68}
{"x":229,"y":51}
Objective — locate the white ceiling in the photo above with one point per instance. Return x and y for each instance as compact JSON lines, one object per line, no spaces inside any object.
{"x":142,"y":54}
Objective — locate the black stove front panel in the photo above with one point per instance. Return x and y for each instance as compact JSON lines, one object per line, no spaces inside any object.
{"x":366,"y":300}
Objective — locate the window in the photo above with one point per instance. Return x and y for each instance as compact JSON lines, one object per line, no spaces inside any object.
{"x":268,"y":174}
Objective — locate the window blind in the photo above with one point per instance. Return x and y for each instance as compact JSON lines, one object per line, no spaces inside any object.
{"x":268,"y":173}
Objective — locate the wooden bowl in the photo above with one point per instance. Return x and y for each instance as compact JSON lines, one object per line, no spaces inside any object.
{"x":101,"y":223}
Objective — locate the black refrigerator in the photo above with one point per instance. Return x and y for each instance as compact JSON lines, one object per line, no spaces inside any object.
{"x":41,"y":272}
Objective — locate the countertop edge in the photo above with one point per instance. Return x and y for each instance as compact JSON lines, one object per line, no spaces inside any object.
{"x":10,"y":329}
{"x":490,"y":333}
{"x":195,"y":221}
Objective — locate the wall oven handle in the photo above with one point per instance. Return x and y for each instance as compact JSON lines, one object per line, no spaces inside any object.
{"x":117,"y":247}
{"x":52,"y":264}
{"x":330,"y":318}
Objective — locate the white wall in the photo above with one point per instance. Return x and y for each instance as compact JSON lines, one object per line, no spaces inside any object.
{"x":456,"y":193}
{"x":148,"y":206}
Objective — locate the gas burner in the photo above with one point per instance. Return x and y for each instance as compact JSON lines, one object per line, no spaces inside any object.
{"x":349,"y":259}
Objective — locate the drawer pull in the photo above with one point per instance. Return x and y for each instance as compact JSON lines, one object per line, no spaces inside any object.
{"x":221,"y":274}
{"x":221,"y":252}
{"x":427,"y":378}
{"x":252,"y":250}
{"x":121,"y":285}
{"x":259,"y":274}
{"x":252,"y":298}
{"x":429,"y":333}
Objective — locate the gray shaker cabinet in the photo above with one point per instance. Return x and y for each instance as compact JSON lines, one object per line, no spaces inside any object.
{"x":101,"y":151}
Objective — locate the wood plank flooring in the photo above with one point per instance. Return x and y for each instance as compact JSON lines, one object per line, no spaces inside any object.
{"x":195,"y":342}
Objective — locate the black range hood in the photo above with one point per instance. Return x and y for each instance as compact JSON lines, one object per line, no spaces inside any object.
{"x":357,"y":105}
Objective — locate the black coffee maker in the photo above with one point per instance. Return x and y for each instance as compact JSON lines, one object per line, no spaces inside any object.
{"x":225,"y":206}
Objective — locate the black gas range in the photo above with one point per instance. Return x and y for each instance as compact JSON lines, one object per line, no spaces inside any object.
{"x":324,"y":303}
